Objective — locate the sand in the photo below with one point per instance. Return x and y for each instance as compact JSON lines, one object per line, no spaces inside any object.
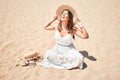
{"x":21,"y":32}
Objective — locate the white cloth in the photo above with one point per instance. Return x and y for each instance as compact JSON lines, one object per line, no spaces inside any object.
{"x":63,"y":55}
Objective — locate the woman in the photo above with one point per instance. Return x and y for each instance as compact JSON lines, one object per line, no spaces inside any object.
{"x":64,"y":55}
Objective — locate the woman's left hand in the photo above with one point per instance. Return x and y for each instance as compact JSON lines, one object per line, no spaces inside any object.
{"x":79,"y":23}
{"x":78,"y":20}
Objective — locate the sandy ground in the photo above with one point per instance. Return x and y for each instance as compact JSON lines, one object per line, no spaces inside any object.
{"x":21,"y":31}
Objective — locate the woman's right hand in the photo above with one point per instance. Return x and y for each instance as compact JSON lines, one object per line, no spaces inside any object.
{"x":55,"y":18}
{"x":50,"y":22}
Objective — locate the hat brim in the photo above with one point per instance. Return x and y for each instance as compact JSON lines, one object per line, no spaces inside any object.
{"x":62,"y":8}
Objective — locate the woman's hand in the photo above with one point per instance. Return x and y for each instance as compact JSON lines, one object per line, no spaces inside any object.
{"x":78,"y":20}
{"x":80,"y":31}
{"x":79,"y":23}
{"x":55,"y":17}
{"x":49,"y":26}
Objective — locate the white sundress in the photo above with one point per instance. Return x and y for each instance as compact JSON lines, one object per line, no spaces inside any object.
{"x":63,"y":55}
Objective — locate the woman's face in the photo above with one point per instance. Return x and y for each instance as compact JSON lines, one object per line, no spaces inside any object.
{"x":64,"y":16}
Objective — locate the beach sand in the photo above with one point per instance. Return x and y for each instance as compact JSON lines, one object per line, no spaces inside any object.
{"x":21,"y":32}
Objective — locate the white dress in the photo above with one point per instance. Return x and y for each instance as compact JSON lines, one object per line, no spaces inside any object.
{"x":63,"y":55}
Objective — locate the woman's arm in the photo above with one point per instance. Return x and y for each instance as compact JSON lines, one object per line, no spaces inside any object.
{"x":80,"y":31}
{"x":49,"y":26}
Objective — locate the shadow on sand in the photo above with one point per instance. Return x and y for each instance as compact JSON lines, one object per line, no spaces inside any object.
{"x":86,"y":55}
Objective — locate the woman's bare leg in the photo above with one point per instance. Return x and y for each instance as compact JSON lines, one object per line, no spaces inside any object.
{"x":35,"y":54}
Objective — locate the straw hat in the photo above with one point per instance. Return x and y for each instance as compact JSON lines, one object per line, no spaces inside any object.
{"x":62,"y":8}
